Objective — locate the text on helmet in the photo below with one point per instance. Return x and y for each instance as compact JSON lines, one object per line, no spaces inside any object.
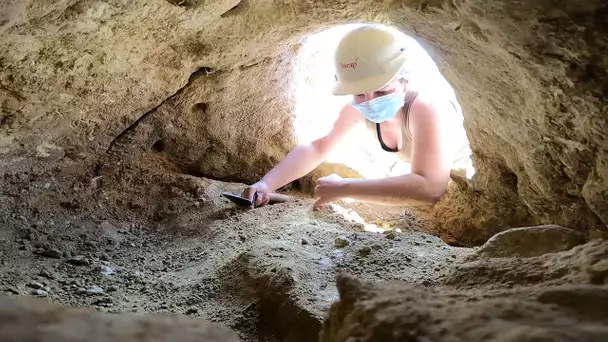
{"x":352,"y":65}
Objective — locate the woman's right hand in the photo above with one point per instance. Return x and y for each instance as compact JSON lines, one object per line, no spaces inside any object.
{"x":262,"y":191}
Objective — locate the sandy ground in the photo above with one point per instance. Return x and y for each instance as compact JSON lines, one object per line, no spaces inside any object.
{"x":161,"y":242}
{"x":138,"y":237}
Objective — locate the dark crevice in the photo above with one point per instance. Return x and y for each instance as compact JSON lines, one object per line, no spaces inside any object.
{"x":266,"y":60}
{"x":200,"y":72}
{"x":200,"y":108}
{"x":159,"y":146}
{"x":193,"y":170}
{"x":12,"y":92}
{"x":178,"y":2}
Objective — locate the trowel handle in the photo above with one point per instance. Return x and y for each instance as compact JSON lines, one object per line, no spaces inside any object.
{"x":277,"y":198}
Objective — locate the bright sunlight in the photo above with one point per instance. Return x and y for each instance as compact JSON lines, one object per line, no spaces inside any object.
{"x":316,"y":108}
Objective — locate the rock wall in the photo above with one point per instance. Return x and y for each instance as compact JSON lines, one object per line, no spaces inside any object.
{"x":556,"y":297}
{"x":207,"y":84}
{"x":535,"y":100}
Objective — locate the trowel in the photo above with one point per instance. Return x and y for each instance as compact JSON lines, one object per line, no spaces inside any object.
{"x":242,"y":201}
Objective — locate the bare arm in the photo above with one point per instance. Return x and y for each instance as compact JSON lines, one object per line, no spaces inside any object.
{"x":430,"y":161}
{"x":307,"y":156}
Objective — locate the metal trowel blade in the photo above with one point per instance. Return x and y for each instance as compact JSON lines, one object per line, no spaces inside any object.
{"x":237,"y":199}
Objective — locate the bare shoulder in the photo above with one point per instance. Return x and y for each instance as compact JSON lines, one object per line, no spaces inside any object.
{"x":431,"y":109}
{"x":423,"y":111}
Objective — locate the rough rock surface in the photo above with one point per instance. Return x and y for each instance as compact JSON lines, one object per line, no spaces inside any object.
{"x":115,"y":116}
{"x":201,"y":82}
{"x":35,"y":320}
{"x":583,"y":264}
{"x":530,"y":241}
{"x":564,"y":307}
{"x":174,"y":245}
{"x":295,"y":282}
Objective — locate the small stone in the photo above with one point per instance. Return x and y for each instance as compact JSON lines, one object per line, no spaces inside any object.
{"x":304,"y":242}
{"x":341,"y":242}
{"x":364,"y":251}
{"x":103,"y":301}
{"x":531,"y":241}
{"x":35,"y":286}
{"x":389,"y":235}
{"x":40,"y":293}
{"x":79,"y":260}
{"x":105,"y":270}
{"x":12,"y":290}
{"x":94,"y":290}
{"x":191,"y":311}
{"x":46,"y":274}
{"x":52,"y":253}
{"x":90,"y":244}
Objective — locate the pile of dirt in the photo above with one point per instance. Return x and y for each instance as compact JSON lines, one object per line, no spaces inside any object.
{"x":269,"y":274}
{"x":145,"y":240}
{"x":553,"y":297}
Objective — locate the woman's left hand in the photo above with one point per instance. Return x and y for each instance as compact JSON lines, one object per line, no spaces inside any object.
{"x":328,"y":189}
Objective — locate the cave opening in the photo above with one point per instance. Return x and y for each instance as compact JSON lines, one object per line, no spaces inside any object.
{"x":316,"y":108}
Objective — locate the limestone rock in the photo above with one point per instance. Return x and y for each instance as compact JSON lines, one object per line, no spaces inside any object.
{"x":34,"y":320}
{"x":579,"y":265}
{"x":405,"y":312}
{"x":531,"y":241}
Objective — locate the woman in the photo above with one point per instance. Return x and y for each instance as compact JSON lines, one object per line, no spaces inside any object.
{"x":400,"y":95}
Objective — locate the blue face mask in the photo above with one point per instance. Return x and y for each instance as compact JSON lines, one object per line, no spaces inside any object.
{"x":381,"y":108}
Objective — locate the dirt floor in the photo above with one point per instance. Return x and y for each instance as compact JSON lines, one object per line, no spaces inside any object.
{"x":137,"y":233}
{"x":145,"y":240}
{"x":140,"y":236}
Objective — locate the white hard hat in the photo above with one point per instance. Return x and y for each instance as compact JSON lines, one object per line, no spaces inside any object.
{"x":367,"y":58}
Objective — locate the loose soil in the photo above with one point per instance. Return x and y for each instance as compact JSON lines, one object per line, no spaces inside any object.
{"x":146,"y":239}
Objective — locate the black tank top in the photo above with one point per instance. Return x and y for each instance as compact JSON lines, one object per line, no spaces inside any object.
{"x":407,"y":104}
